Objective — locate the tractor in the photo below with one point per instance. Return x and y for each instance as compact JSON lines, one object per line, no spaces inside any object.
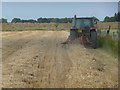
{"x":84,"y":29}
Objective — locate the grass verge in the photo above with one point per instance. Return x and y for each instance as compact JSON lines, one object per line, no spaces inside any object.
{"x":109,"y":45}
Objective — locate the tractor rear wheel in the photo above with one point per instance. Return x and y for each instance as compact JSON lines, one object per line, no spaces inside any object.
{"x":93,"y":35}
{"x":73,"y":34}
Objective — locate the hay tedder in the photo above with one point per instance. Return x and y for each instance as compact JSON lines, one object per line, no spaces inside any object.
{"x":84,"y":29}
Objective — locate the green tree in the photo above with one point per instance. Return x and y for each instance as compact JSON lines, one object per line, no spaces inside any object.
{"x":118,"y":15}
{"x":31,"y":21}
{"x":39,"y":20}
{"x":24,"y":21}
{"x":16,"y":20}
{"x":106,"y":19}
{"x":3,"y":20}
{"x":114,"y":18}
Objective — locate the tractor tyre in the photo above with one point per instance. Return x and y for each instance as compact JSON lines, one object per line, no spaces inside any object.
{"x":93,"y":35}
{"x":73,"y":34}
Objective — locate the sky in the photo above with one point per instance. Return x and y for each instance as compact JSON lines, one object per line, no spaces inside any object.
{"x":35,"y":10}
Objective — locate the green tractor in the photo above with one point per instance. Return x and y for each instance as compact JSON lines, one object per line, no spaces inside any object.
{"x":84,"y":28}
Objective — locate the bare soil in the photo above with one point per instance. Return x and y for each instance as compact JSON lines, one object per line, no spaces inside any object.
{"x":37,"y":59}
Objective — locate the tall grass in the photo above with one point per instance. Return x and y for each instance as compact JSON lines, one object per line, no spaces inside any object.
{"x":109,"y":45}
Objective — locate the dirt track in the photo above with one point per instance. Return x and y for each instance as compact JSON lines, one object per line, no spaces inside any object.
{"x":37,"y":59}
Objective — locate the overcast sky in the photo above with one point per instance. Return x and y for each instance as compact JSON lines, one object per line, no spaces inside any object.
{"x":34,"y":10}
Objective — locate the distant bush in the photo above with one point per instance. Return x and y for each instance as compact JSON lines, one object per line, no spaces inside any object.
{"x":43,"y":20}
{"x":3,"y":20}
{"x":114,"y":18}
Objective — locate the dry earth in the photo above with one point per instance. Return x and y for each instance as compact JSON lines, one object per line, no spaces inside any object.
{"x":38,"y":59}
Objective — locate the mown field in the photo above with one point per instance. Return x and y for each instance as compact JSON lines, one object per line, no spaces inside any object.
{"x":110,"y":42}
{"x":51,"y":26}
{"x":33,"y":57}
{"x":35,"y":26}
{"x":37,"y":59}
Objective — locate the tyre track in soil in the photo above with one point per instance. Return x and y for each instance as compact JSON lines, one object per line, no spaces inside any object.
{"x":96,"y":68}
{"x":61,"y":64}
{"x":50,"y":74}
{"x":44,"y":62}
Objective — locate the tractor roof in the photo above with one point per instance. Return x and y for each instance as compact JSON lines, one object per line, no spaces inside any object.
{"x":85,"y":18}
{"x":88,"y":18}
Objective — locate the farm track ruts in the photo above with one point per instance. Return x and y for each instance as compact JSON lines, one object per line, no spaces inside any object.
{"x":38,"y":59}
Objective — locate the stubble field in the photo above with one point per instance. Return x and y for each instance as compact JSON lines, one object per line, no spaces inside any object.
{"x":38,"y":59}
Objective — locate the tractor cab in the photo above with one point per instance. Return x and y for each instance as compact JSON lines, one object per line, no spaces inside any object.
{"x":84,"y":27}
{"x":84,"y":23}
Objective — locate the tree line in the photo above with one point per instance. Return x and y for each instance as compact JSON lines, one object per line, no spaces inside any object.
{"x":114,"y":18}
{"x":39,"y":20}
